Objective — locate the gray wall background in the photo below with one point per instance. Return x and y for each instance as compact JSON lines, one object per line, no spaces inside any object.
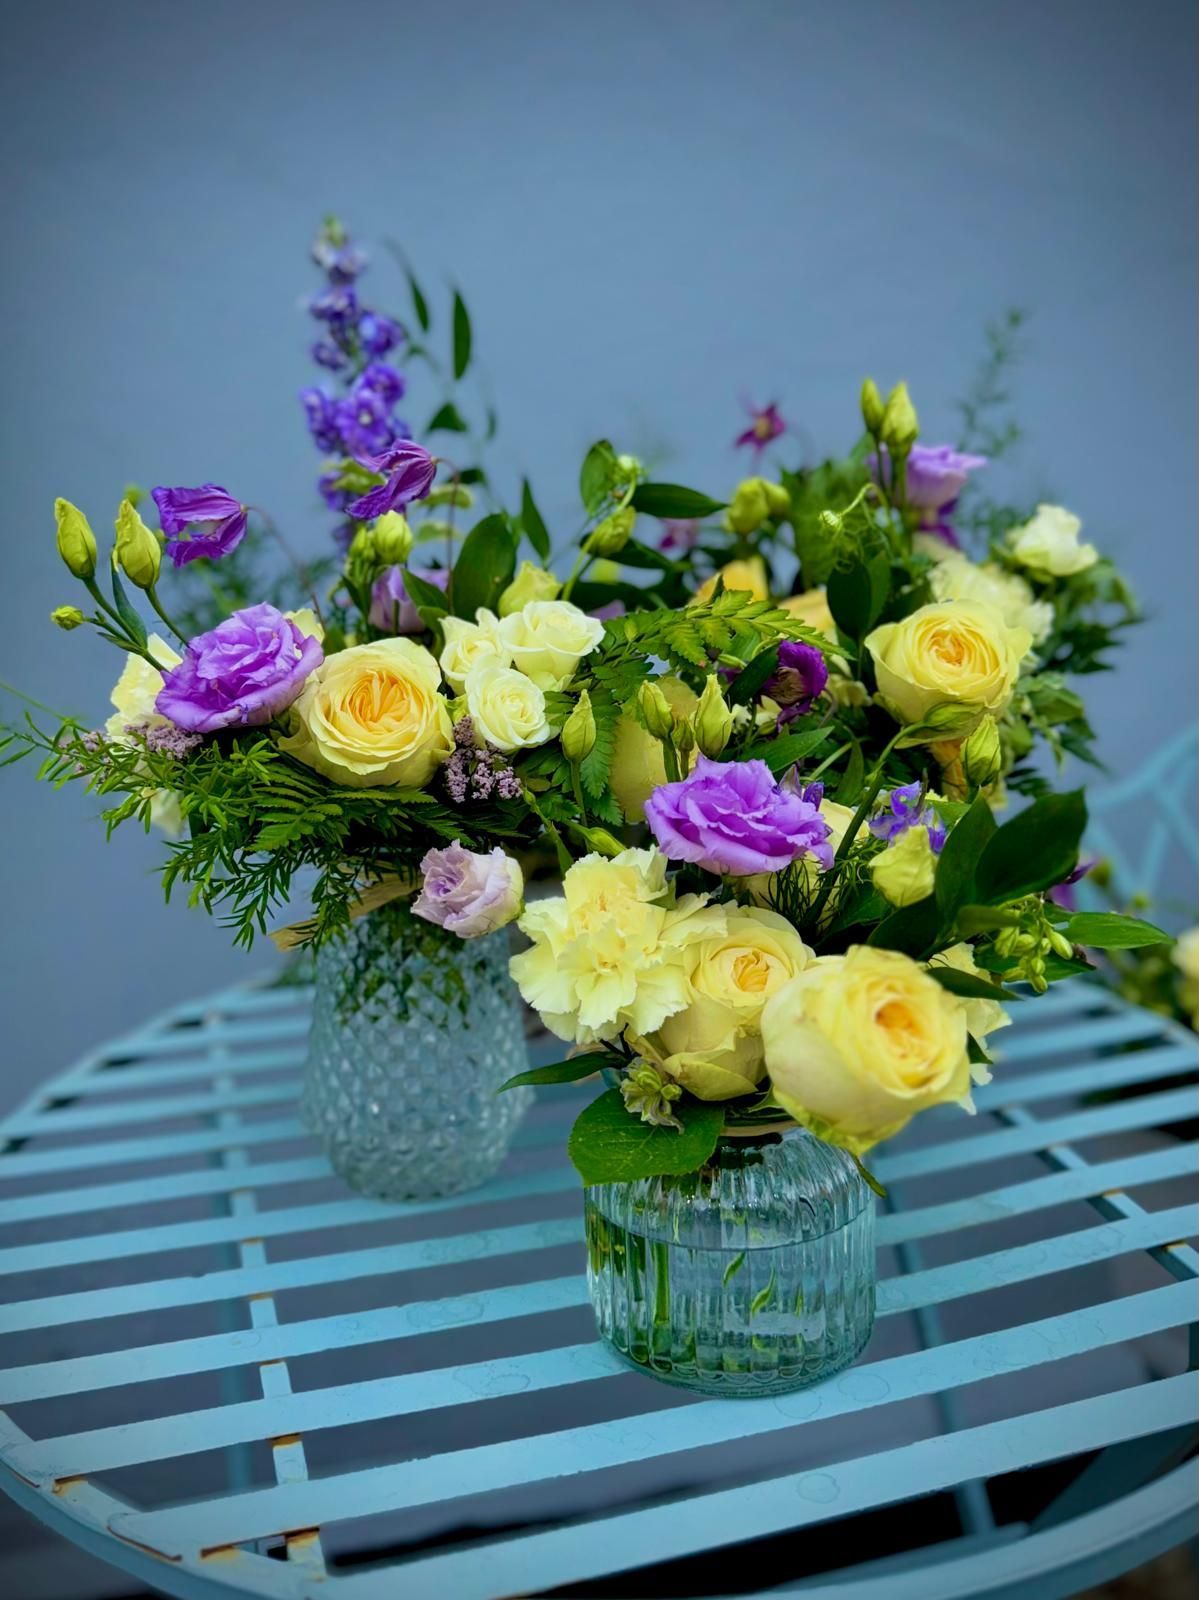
{"x":652,"y":209}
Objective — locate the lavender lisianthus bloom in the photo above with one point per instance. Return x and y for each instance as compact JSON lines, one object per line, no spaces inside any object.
{"x":206,"y":521}
{"x":410,"y":472}
{"x":799,"y":680}
{"x":378,"y":334}
{"x":901,"y":810}
{"x":732,"y":817}
{"x":936,"y":476}
{"x":391,"y":609}
{"x":382,"y":380}
{"x":467,"y":893}
{"x":242,"y":673}
{"x":364,"y":422}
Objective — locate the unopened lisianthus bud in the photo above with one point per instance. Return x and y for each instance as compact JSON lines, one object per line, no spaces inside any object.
{"x":778,"y":501}
{"x":982,"y":756}
{"x":713,"y":721}
{"x":76,"y":541}
{"x":684,"y":738}
{"x":67,"y":617}
{"x":138,"y":552}
{"x":393,"y":538}
{"x":899,"y":428}
{"x":578,"y":732}
{"x":612,"y":534}
{"x":654,"y":710}
{"x":530,"y":583}
{"x":601,"y":841}
{"x":872,"y":406}
{"x":134,"y":493}
{"x":749,"y":507}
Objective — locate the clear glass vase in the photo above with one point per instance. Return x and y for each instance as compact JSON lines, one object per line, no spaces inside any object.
{"x":413,"y":1032}
{"x":753,"y":1276}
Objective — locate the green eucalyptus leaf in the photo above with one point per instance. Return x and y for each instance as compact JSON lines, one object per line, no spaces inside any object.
{"x":673,"y":500}
{"x":446,"y":419}
{"x":609,"y":1144}
{"x":857,"y":594}
{"x":635,"y":554}
{"x":968,"y":985}
{"x":423,"y":594}
{"x":788,"y":748}
{"x":419,"y":304}
{"x":485,"y":566}
{"x":1108,"y":930}
{"x":912,"y":929}
{"x":462,"y":336}
{"x":1035,"y":850}
{"x":532,"y":522}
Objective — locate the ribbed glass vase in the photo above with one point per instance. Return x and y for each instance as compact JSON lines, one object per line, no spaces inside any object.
{"x":753,"y":1276}
{"x":413,"y":1032}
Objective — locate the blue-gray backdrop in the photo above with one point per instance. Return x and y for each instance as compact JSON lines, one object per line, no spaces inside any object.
{"x":653,"y":209}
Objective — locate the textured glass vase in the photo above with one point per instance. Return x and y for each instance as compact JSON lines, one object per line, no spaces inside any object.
{"x":753,"y":1276}
{"x":413,"y":1032}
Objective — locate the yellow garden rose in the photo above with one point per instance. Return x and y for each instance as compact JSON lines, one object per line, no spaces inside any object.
{"x":811,"y":607}
{"x":856,"y":1044}
{"x":744,"y":573}
{"x":548,"y":638}
{"x":638,"y":767}
{"x":507,"y":709}
{"x":1048,"y":544}
{"x":530,"y":583}
{"x":982,"y":1016}
{"x":714,"y":1046}
{"x":471,"y":644}
{"x":373,"y":715}
{"x":956,"y":578}
{"x":954,"y":652}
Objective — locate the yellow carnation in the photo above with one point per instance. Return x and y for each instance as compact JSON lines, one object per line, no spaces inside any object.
{"x":953,"y":652}
{"x":856,"y":1044}
{"x":372,"y":715}
{"x":747,"y":573}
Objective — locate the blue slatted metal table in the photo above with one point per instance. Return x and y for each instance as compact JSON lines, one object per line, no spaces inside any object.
{"x":226,"y":1374}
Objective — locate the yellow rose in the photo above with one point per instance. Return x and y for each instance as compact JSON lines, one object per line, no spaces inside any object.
{"x":548,"y":638}
{"x":982,"y":1016}
{"x":471,"y":644}
{"x":1048,"y":544}
{"x":906,"y":870}
{"x":309,"y":624}
{"x":714,"y":1046}
{"x":507,"y":709}
{"x":530,"y":583}
{"x":372,"y":715}
{"x":136,"y":690}
{"x":748,"y":573}
{"x":637,"y":763}
{"x":611,"y":952}
{"x":953,"y":652}
{"x":838,"y":817}
{"x":956,"y":578}
{"x":811,"y":607}
{"x":856,"y":1044}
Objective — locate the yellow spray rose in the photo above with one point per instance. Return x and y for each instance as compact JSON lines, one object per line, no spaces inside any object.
{"x":982,"y":1016}
{"x":906,"y":870}
{"x":372,"y":715}
{"x":954,"y":652}
{"x":748,"y":573}
{"x":956,"y":578}
{"x":133,"y":695}
{"x":507,"y":709}
{"x":638,"y":767}
{"x":811,"y":607}
{"x":714,"y":1046}
{"x":856,"y":1044}
{"x":530,"y":583}
{"x":548,"y":638}
{"x":471,"y":644}
{"x":1048,"y":544}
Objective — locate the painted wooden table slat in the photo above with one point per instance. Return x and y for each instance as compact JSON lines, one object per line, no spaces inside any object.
{"x":225,"y":1374}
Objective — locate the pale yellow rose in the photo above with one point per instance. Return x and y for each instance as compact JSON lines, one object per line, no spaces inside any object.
{"x":1048,"y":543}
{"x":638,"y":767}
{"x":950,"y":653}
{"x":982,"y":1016}
{"x":471,"y":644}
{"x":905,"y":871}
{"x":760,"y":884}
{"x":611,"y":953}
{"x":547,"y":640}
{"x":507,"y":709}
{"x":530,"y":583}
{"x":714,"y":1046}
{"x":811,"y":608}
{"x":372,"y":715}
{"x":856,"y":1044}
{"x":136,"y":690}
{"x":747,"y":572}
{"x":309,"y":624}
{"x":957,"y":578}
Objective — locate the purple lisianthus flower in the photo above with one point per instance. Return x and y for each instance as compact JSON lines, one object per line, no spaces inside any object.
{"x":766,"y":425}
{"x":320,"y":410}
{"x":468,"y":893}
{"x":936,"y":476}
{"x":410,"y":472}
{"x":337,"y":305}
{"x":240,"y":674}
{"x":902,"y":809}
{"x":364,"y":422}
{"x":378,"y":333}
{"x":206,"y":521}
{"x":799,"y":680}
{"x":391,"y":609}
{"x":732,"y":817}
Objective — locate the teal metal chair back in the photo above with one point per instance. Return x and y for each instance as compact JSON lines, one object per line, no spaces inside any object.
{"x":1145,"y":826}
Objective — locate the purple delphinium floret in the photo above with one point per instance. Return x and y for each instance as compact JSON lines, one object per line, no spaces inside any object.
{"x":902,"y":809}
{"x":378,"y":334}
{"x":383,"y":380}
{"x":203,"y":522}
{"x":243,"y":672}
{"x":336,"y":305}
{"x":732,"y":817}
{"x":320,"y":411}
{"x":364,"y":422}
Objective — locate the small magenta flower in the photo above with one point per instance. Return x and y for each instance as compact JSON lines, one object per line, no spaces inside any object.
{"x":204,"y":522}
{"x":410,"y":471}
{"x":800,"y":679}
{"x":767,"y":425}
{"x":679,"y":533}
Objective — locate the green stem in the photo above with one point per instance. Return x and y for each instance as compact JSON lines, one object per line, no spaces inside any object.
{"x":565,"y":859}
{"x":828,"y":761}
{"x":577,"y":787}
{"x":873,"y":784}
{"x":582,"y":562}
{"x":670,"y":760}
{"x":152,"y":597}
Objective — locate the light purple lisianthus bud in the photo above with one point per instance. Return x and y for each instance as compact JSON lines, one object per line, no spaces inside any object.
{"x":732,"y":817}
{"x":206,"y":521}
{"x":240,"y":674}
{"x":467,"y":893}
{"x":391,"y":609}
{"x":936,"y":476}
{"x":410,"y":472}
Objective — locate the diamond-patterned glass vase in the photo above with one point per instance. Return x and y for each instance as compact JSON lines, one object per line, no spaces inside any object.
{"x":413,"y":1032}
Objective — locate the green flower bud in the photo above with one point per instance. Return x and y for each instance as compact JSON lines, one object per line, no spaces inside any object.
{"x":612,"y":534}
{"x":578,"y":732}
{"x":450,"y":494}
{"x":601,"y":841}
{"x":628,"y":469}
{"x":392,"y":539}
{"x":899,"y":428}
{"x":778,"y":501}
{"x":530,"y":583}
{"x":982,"y":756}
{"x":749,"y":507}
{"x":76,"y":541}
{"x":684,"y":739}
{"x":872,"y":406}
{"x":604,"y":572}
{"x":138,"y":552}
{"x":654,"y":710}
{"x":1061,"y":944}
{"x":67,"y":617}
{"x":713,"y":721}
{"x":134,"y":493}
